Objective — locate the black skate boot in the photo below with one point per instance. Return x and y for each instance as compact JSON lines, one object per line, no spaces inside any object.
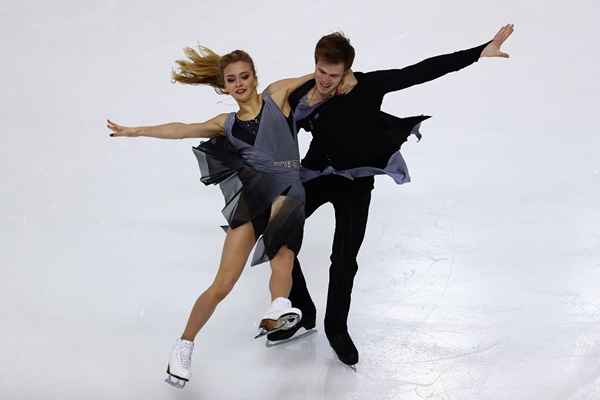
{"x":344,"y":348}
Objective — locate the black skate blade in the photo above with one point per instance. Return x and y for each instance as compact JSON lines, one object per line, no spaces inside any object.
{"x":307,"y":332}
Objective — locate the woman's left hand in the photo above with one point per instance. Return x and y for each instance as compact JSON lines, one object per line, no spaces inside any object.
{"x":493,"y":49}
{"x":120,"y":130}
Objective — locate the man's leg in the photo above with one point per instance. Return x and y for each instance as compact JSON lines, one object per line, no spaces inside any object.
{"x":351,"y":212}
{"x":316,"y":195}
{"x":300,"y":297}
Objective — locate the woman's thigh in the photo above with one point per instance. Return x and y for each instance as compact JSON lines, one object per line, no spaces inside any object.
{"x":236,"y":249}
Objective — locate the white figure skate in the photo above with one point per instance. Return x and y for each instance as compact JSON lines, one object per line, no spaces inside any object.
{"x":180,"y":362}
{"x":280,"y":316}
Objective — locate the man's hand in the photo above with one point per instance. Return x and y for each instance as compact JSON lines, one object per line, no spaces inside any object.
{"x":493,"y":49}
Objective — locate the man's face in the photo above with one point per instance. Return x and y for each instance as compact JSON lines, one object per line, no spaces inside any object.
{"x":328,"y":76}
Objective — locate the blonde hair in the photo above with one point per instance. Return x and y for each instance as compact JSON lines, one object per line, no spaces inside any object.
{"x":205,"y":67}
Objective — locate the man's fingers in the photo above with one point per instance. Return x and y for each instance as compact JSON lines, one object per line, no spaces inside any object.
{"x":504,"y":32}
{"x":505,"y":35}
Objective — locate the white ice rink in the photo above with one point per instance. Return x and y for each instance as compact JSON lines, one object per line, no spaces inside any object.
{"x":479,"y":280}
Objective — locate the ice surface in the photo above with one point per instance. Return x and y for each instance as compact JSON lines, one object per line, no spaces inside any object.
{"x":478,"y":280}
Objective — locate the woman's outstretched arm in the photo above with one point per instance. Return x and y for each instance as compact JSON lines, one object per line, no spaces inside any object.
{"x":174,"y":130}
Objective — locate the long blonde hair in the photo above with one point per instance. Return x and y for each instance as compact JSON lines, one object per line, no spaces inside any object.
{"x":205,"y":67}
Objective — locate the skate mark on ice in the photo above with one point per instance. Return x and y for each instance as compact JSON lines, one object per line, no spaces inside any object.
{"x":436,"y":306}
{"x":456,"y":356}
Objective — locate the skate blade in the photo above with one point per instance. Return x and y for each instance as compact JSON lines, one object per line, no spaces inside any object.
{"x":285,"y":322}
{"x":261,"y":332}
{"x":351,"y":367}
{"x":178,"y":383}
{"x":306,"y":332}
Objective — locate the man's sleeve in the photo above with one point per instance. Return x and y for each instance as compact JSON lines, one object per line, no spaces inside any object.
{"x":396,"y":79}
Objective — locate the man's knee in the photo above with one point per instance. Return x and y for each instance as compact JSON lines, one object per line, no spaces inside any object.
{"x":343,"y":268}
{"x":341,"y":260}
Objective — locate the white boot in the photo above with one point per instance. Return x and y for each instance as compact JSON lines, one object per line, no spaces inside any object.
{"x":180,"y":363}
{"x":280,"y":316}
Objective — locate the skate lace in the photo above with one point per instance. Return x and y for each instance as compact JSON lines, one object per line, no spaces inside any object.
{"x":184,"y":356}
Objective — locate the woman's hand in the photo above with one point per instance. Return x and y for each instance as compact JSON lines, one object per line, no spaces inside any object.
{"x":347,"y":84}
{"x":120,"y":130}
{"x":493,"y":49}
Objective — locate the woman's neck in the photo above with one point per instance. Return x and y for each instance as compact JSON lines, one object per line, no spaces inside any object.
{"x":250,"y":108}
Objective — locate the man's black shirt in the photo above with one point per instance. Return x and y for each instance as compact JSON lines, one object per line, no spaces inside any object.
{"x":351,"y":131}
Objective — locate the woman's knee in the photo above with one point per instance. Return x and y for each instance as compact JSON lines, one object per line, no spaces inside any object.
{"x":219,"y":290}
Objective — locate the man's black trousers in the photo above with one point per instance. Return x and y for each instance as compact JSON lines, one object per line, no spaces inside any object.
{"x":350,"y":200}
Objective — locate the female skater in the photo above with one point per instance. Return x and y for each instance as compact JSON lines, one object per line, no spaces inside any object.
{"x":253,"y":155}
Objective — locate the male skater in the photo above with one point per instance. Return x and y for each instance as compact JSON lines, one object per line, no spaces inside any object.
{"x":352,"y":141}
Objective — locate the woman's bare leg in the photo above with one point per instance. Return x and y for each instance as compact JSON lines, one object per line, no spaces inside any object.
{"x":237,"y":247}
{"x":282,"y":264}
{"x":281,"y":273}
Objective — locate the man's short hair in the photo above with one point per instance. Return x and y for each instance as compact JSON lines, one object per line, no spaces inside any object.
{"x":335,"y":48}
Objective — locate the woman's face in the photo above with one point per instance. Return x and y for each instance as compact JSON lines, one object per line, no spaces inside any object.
{"x":240,"y":81}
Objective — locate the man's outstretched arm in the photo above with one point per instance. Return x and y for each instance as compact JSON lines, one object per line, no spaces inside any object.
{"x":435,"y":67}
